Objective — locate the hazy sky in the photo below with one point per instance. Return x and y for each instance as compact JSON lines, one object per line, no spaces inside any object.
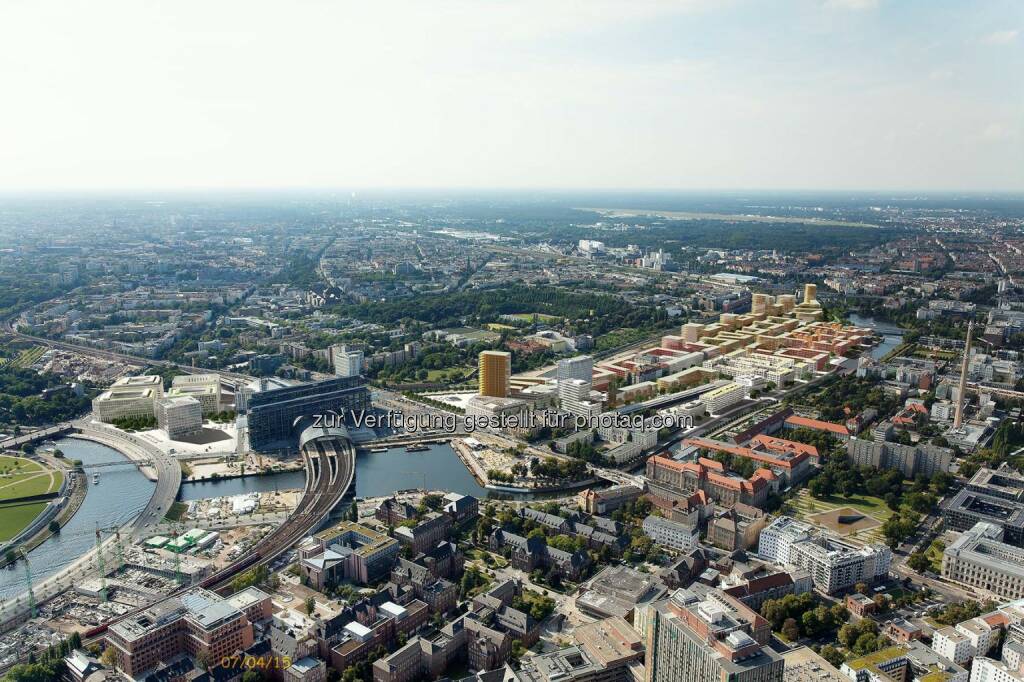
{"x":844,"y":94}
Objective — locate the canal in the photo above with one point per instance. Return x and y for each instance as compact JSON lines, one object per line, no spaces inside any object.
{"x":121,"y":495}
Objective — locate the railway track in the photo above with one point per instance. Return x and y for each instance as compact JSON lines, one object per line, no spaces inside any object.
{"x":330,"y":472}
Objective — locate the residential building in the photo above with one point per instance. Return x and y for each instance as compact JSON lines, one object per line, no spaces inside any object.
{"x":834,"y":565}
{"x":952,"y":644}
{"x":723,"y":397}
{"x":911,"y":460}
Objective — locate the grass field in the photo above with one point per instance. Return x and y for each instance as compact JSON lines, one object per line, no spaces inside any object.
{"x":541,"y":317}
{"x":21,"y":477}
{"x":804,"y":506}
{"x":14,"y":516}
{"x":436,"y":374}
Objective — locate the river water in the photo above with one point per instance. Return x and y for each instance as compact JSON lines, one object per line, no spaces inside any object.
{"x":892,"y":336}
{"x":123,"y":492}
{"x":377,"y":473}
{"x":119,"y":497}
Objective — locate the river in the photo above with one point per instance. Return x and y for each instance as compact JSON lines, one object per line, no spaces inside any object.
{"x":119,"y":497}
{"x":377,"y":473}
{"x":892,"y":336}
{"x":123,"y":492}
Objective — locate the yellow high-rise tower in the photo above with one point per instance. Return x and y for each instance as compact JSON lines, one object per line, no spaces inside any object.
{"x":495,"y":371}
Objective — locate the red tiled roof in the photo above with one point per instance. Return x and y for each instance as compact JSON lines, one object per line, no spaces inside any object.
{"x":817,"y":425}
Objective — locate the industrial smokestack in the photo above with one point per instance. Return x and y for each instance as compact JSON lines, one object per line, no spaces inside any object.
{"x":958,"y":420}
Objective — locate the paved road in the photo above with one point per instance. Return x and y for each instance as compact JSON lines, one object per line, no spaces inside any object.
{"x":166,"y":469}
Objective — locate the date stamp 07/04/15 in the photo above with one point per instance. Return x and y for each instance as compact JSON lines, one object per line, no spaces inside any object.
{"x":256,"y":662}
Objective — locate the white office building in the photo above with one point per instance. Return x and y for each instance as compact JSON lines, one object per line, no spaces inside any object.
{"x":950,"y":643}
{"x":989,"y":670}
{"x":347,"y":363}
{"x":580,"y":367}
{"x":723,"y":397}
{"x":129,"y":397}
{"x":671,"y":534}
{"x":574,"y":397}
{"x":179,"y":417}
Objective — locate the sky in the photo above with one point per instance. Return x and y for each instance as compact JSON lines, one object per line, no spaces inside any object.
{"x":561,"y":94}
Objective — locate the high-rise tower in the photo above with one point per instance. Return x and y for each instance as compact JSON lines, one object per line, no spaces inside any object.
{"x":495,"y":371}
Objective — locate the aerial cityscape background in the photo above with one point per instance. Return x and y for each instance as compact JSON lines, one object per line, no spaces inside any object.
{"x":576,"y":341}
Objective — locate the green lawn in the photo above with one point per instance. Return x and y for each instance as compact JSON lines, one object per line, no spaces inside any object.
{"x":436,"y":374}
{"x":541,"y":317}
{"x":175,"y":511}
{"x":14,"y":516}
{"x":934,"y":555}
{"x":21,"y":477}
{"x":804,"y":505}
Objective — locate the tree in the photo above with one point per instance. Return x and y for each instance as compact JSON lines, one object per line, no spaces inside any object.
{"x":832,"y":655}
{"x":109,"y":657}
{"x":918,"y":561}
{"x":53,"y":526}
{"x":310,"y":605}
{"x":252,"y":676}
{"x":865,"y":644}
{"x":790,"y":630}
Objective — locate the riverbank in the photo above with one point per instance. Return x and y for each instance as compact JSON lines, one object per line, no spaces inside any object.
{"x":469,"y":458}
{"x":77,"y":487}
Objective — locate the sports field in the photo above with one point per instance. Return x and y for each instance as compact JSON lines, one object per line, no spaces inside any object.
{"x":827,"y":513}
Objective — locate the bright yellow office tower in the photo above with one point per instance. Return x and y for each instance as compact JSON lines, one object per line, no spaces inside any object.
{"x":495,"y":370}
